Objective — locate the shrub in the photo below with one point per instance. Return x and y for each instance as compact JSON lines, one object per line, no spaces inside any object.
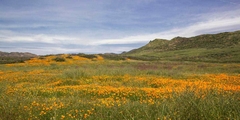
{"x":59,"y":59}
{"x":89,"y":56}
{"x":69,"y":57}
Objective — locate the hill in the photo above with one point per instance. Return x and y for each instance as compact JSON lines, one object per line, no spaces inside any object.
{"x":221,"y":47}
{"x":14,"y":57}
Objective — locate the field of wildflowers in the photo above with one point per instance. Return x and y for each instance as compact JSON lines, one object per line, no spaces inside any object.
{"x":84,"y":88}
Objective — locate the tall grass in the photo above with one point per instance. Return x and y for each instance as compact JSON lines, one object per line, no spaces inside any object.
{"x":108,"y":90}
{"x":187,"y":105}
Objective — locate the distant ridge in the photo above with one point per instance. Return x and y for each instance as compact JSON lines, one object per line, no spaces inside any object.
{"x":16,"y":54}
{"x":221,"y":47}
{"x":14,"y":57}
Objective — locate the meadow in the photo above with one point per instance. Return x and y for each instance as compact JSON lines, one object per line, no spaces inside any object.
{"x":76,"y":87}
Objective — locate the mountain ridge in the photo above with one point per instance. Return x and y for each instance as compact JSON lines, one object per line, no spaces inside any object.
{"x":17,"y":54}
{"x":15,"y":57}
{"x":206,"y":47}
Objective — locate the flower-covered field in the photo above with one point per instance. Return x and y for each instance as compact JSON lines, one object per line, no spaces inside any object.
{"x":74,"y":87}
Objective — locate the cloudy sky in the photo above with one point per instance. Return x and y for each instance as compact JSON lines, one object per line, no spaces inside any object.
{"x":100,"y":26}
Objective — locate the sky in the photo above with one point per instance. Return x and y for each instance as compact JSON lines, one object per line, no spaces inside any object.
{"x":108,"y":26}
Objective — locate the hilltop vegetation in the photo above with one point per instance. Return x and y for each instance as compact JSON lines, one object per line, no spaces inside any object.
{"x":222,"y":47}
{"x":15,"y":57}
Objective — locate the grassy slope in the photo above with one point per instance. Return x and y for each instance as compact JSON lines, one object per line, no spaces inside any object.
{"x":222,"y":47}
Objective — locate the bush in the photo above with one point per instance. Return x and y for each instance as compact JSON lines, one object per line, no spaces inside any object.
{"x":59,"y":59}
{"x":89,"y":56}
{"x":69,"y":57}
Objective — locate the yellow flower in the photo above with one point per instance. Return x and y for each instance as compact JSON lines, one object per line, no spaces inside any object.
{"x":42,"y":113}
{"x":85,"y":116}
{"x":62,"y":116}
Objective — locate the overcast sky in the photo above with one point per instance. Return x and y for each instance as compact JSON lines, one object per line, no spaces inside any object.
{"x":100,"y":26}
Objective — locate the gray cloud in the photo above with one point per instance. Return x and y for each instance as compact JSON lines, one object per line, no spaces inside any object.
{"x":60,"y":26}
{"x":50,"y":48}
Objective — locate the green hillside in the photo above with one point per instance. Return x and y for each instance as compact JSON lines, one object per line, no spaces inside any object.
{"x":222,"y":47}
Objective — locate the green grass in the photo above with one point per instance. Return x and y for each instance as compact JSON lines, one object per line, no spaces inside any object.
{"x":214,"y":106}
{"x":222,"y":55}
{"x":20,"y":104}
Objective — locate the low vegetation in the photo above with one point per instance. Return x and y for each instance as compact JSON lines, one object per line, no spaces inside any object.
{"x":83,"y":88}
